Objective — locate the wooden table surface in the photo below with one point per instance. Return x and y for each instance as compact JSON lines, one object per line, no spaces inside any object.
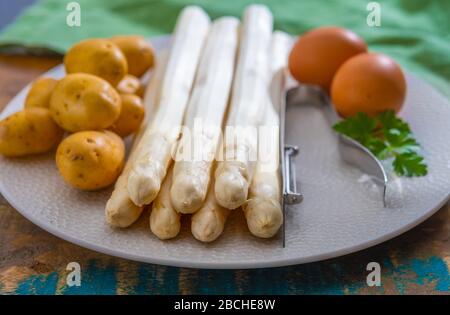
{"x":32,"y":261}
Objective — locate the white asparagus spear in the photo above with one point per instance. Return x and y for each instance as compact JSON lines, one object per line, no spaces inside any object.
{"x":208,"y":222}
{"x":165,"y":222}
{"x":159,"y":140}
{"x":209,"y":100}
{"x":120,"y":211}
{"x":249,"y":94}
{"x":263,"y":210}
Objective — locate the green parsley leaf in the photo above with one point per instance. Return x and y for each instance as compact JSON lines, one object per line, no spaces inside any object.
{"x":389,"y":122}
{"x":410,"y":164}
{"x":359,"y":127}
{"x":386,"y":136}
{"x":378,"y":147}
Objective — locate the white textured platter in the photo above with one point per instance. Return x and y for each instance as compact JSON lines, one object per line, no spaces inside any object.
{"x":339,"y":215}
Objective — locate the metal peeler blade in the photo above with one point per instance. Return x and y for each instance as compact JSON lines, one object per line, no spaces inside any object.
{"x":350,"y":150}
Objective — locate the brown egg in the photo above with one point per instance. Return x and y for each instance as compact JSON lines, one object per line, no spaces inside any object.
{"x":368,"y":83}
{"x":318,"y":54}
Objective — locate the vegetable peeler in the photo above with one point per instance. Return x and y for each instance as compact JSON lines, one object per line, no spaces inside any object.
{"x":350,"y":150}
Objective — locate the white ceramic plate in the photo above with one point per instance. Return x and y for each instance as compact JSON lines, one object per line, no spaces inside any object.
{"x":340,"y":214}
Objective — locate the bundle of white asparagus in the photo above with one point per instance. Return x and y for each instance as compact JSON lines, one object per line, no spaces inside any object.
{"x":219,"y":78}
{"x":185,"y":190}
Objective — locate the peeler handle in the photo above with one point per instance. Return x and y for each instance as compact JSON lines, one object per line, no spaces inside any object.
{"x":291,"y":195}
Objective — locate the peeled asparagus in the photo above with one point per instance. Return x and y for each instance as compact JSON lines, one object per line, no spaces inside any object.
{"x":160,"y":138}
{"x":249,"y":94}
{"x":263,"y":210}
{"x":120,"y":211}
{"x":208,"y":222}
{"x":165,"y":222}
{"x":209,"y":101}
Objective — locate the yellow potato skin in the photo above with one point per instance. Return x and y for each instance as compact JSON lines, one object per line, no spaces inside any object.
{"x":130,"y":85}
{"x":30,"y":131}
{"x":82,"y":101}
{"x":91,"y":160}
{"x":139,"y":53}
{"x":99,"y":57}
{"x":131,"y":116}
{"x":40,"y":93}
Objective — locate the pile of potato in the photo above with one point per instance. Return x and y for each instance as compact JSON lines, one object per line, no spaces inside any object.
{"x":97,"y":103}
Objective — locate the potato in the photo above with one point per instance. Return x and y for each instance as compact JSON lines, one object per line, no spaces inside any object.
{"x":130,"y":85}
{"x":40,"y":93}
{"x":83,"y":101}
{"x":29,"y":131}
{"x":100,"y":57}
{"x":139,"y":53}
{"x":90,"y":160}
{"x":131,"y":116}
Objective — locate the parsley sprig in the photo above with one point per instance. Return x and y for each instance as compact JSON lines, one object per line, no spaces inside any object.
{"x":387,"y":137}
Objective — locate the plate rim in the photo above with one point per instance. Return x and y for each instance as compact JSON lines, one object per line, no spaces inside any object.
{"x":216,"y":265}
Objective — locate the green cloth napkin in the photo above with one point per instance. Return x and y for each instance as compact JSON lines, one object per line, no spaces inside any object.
{"x":416,"y":33}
